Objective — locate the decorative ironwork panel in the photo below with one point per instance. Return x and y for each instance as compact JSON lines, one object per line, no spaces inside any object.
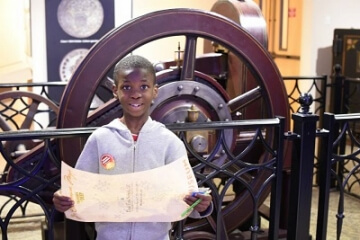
{"x":243,"y":169}
{"x":340,"y":163}
{"x":298,"y":86}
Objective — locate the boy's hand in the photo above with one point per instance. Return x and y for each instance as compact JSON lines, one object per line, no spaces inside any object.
{"x":62,"y":203}
{"x":203,"y":205}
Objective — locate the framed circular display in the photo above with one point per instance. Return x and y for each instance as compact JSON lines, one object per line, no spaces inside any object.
{"x":80,"y":18}
{"x":70,"y":62}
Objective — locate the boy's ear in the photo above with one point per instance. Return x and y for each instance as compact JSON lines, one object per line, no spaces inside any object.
{"x":156,"y":91}
{"x":114,"y":90}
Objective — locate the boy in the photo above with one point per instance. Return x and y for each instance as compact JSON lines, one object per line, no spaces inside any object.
{"x":135,"y":143}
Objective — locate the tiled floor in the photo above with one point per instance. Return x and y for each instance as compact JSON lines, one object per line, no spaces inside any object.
{"x":24,"y":228}
{"x":350,"y":229}
{"x":31,"y":231}
{"x":30,"y":228}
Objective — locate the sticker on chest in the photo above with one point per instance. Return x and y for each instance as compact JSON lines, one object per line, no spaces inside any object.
{"x":107,"y":161}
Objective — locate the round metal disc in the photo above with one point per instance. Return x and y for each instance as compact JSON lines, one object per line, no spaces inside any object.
{"x":80,"y":18}
{"x":70,"y":62}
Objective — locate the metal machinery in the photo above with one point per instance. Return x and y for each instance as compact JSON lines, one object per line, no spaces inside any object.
{"x":238,"y":80}
{"x":184,"y":91}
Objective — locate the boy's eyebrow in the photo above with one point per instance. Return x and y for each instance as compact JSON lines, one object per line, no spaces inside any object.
{"x":142,"y":80}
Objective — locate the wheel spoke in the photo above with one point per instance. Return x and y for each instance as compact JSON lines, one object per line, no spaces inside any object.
{"x":25,"y":98}
{"x":258,"y":69}
{"x":188,"y":67}
{"x":30,"y":115}
{"x":244,"y":99}
{"x":4,"y":125}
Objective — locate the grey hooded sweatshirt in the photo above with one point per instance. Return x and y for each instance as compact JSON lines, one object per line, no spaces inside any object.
{"x":112,"y":150}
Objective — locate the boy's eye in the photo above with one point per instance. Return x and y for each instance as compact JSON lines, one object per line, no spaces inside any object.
{"x":144,"y":87}
{"x":126,"y":88}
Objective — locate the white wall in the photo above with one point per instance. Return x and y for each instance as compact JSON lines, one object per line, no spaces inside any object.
{"x":163,"y":49}
{"x":14,"y":66}
{"x":38,"y":42}
{"x":320,"y":19}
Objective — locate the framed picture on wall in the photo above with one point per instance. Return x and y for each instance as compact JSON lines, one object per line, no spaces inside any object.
{"x":72,"y":28}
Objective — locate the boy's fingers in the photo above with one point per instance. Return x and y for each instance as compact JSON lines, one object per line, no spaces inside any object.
{"x":58,"y":197}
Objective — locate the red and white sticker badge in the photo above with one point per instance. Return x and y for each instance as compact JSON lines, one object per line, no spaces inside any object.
{"x":107,"y":161}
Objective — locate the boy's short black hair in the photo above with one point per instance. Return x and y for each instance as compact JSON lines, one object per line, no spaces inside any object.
{"x":133,"y":61}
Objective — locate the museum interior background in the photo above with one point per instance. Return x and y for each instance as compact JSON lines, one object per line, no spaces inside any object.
{"x":311,"y":27}
{"x":303,"y":48}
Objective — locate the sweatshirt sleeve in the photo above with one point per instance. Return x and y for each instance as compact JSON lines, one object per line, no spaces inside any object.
{"x":176,"y":149}
{"x":88,"y":159}
{"x":206,"y":213}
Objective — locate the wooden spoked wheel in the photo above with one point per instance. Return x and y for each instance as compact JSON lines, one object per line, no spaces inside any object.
{"x":194,"y":24}
{"x":18,"y":112}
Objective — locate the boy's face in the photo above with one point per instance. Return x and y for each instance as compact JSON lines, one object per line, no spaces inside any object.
{"x":135,"y":90}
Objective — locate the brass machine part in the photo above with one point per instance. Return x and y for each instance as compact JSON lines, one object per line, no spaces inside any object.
{"x":179,"y":56}
{"x":193,"y":114}
{"x":199,"y":140}
{"x":217,"y":48}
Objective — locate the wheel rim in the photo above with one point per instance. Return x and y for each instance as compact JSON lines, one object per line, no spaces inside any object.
{"x":154,"y":26}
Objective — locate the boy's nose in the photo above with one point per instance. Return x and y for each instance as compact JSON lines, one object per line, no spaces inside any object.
{"x":136,"y":94}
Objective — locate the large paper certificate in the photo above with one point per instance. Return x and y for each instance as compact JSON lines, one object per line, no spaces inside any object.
{"x":154,"y":195}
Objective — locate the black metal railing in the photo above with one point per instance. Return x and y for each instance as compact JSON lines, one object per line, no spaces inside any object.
{"x":313,"y":89}
{"x":296,"y":86}
{"x":33,"y":177}
{"x":351,"y":95}
{"x":297,"y":218}
{"x":20,"y":187}
{"x":36,"y":105}
{"x":37,"y":177}
{"x":42,"y":88}
{"x":299,"y":86}
{"x":29,"y":105}
{"x":337,"y":130}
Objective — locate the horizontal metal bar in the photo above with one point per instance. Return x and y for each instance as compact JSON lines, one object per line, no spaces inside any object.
{"x":71,"y":132}
{"x":45,"y":133}
{"x":352,"y":79}
{"x":223,"y":124}
{"x":305,"y":78}
{"x":347,"y":117}
{"x":43,"y":84}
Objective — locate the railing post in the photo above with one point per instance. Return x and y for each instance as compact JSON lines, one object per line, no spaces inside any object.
{"x":325,"y":175}
{"x":302,"y":165}
{"x":75,"y":230}
{"x":338,"y":91}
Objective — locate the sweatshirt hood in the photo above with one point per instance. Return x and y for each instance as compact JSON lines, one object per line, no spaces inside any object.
{"x":148,"y":126}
